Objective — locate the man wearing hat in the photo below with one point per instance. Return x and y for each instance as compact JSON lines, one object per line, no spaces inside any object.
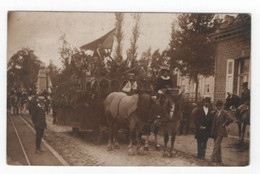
{"x":39,"y":122}
{"x":221,"y":119}
{"x":130,"y":87}
{"x":203,"y":121}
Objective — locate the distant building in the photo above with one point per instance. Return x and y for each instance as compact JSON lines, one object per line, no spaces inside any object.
{"x":43,"y":82}
{"x":206,"y":87}
{"x":232,"y":66}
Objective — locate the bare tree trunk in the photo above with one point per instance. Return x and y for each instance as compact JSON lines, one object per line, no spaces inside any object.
{"x":119,"y":35}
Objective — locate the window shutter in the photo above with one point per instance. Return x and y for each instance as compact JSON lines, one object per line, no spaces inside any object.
{"x":230,"y":76}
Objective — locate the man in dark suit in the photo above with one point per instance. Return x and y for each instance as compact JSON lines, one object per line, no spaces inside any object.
{"x":32,"y":107}
{"x":39,"y":123}
{"x":221,"y":119}
{"x":203,"y":121}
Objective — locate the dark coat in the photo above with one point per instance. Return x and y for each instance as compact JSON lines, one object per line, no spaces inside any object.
{"x":31,"y":106}
{"x":219,"y":124}
{"x":203,"y":120}
{"x":163,"y":83}
{"x":245,"y":96}
{"x":40,"y":118}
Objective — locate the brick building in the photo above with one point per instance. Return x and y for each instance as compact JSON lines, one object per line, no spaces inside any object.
{"x":232,"y":66}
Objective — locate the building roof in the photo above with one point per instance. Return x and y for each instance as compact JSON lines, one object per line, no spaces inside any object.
{"x":233,"y":26}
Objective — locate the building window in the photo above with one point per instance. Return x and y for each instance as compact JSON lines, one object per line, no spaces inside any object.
{"x":244,"y":66}
{"x":207,"y":90}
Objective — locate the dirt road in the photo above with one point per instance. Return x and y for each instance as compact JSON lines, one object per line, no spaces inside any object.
{"x":81,"y":151}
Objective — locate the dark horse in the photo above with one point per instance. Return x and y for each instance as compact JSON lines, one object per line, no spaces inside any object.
{"x":135,"y":111}
{"x":242,"y":113}
{"x":171,"y":117}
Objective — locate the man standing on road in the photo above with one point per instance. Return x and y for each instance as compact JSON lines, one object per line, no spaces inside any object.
{"x":39,"y":123}
{"x":203,"y":121}
{"x":218,"y":131}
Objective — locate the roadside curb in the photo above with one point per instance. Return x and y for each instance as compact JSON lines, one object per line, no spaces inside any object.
{"x":53,"y":151}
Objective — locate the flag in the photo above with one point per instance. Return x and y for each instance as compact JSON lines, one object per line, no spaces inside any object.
{"x":106,"y":41}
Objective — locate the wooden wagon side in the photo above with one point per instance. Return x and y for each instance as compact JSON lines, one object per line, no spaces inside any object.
{"x":82,"y":103}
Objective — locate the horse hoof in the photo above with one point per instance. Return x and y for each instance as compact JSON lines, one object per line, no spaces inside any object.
{"x":109,"y":148}
{"x":140,"y":151}
{"x":131,"y":152}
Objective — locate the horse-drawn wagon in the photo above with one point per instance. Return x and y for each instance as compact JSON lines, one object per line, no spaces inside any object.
{"x":79,"y":103}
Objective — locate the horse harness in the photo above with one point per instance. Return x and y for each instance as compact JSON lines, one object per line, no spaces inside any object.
{"x":119,"y":103}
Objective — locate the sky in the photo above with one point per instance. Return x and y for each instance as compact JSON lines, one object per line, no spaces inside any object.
{"x":40,"y":31}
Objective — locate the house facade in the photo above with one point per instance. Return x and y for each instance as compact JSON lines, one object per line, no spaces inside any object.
{"x":232,"y":61}
{"x":206,"y":87}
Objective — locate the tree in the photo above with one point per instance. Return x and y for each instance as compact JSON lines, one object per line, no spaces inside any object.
{"x":119,"y":36}
{"x":73,"y":60}
{"x":54,"y":73}
{"x":23,"y":68}
{"x":132,"y":51}
{"x":191,"y":49}
{"x":145,"y":61}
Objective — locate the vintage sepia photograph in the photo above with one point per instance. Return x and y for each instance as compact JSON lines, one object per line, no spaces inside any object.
{"x":128,"y":89}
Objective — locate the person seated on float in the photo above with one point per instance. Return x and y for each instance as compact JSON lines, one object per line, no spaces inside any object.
{"x":130,"y":87}
{"x":163,"y":82}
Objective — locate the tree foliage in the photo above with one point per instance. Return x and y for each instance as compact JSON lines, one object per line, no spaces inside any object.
{"x":132,"y":51}
{"x":191,"y":49}
{"x":23,"y":69}
{"x":54,"y":73}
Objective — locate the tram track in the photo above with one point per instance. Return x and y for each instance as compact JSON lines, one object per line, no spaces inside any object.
{"x":27,"y":151}
{"x":20,"y":142}
{"x":53,"y":151}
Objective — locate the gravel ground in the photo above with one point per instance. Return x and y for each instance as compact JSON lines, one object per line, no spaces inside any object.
{"x":81,"y":151}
